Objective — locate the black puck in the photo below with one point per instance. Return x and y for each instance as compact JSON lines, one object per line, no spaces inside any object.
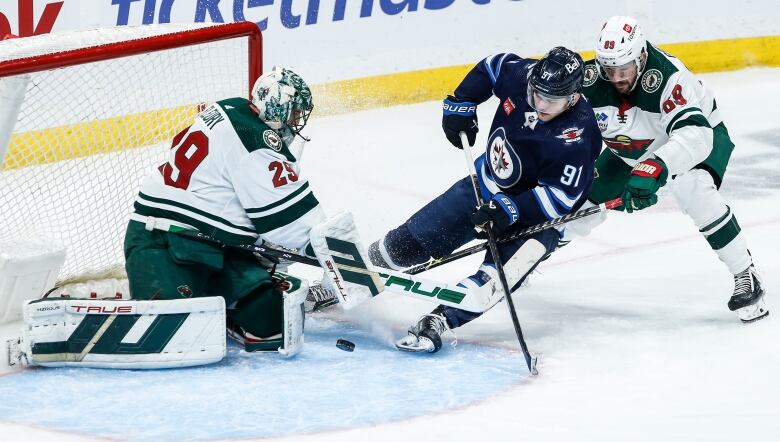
{"x":345,"y":345}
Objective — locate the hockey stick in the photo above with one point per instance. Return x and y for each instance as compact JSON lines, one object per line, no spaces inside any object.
{"x":347,"y":266}
{"x":491,"y":242}
{"x":271,"y":253}
{"x":611,"y":204}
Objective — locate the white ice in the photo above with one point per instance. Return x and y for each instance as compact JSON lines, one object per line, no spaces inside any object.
{"x":631,"y":325}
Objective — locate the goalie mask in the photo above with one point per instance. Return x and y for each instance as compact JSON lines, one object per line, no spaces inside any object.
{"x":283,"y":99}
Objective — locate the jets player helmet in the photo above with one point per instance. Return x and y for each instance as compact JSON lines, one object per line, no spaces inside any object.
{"x":621,"y":43}
{"x":282,"y":98}
{"x":557,"y":77}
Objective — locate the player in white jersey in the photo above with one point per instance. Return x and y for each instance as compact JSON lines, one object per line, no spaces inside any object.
{"x":232,"y":175}
{"x":661,"y":126}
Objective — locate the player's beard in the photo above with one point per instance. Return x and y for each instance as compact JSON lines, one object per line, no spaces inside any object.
{"x":623,"y":87}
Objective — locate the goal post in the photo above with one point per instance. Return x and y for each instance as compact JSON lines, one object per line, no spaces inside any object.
{"x":85,"y":115}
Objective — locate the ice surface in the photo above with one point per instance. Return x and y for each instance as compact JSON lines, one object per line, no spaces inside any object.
{"x":631,"y":324}
{"x":262,"y":395}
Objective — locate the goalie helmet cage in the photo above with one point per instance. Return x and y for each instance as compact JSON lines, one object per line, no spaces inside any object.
{"x":92,"y":113}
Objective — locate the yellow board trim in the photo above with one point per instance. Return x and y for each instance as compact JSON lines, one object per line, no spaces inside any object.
{"x":346,"y":96}
{"x":108,"y":135}
{"x":433,"y":84}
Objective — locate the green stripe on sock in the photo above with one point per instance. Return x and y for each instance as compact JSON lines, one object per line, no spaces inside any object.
{"x":723,"y":236}
{"x":716,"y":222}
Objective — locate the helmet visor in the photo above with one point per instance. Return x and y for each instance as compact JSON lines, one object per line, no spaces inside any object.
{"x":618,"y":74}
{"x":546,"y":103}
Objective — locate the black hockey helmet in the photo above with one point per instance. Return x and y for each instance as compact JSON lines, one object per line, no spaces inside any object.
{"x":557,"y":75}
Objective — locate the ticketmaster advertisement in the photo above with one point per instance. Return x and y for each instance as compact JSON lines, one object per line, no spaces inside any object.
{"x":329,"y":40}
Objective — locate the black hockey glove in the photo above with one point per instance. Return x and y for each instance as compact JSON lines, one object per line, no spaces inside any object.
{"x":459,"y":116}
{"x":501,"y":212}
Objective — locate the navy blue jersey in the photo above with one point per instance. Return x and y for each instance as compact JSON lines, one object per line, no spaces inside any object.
{"x":546,"y":168}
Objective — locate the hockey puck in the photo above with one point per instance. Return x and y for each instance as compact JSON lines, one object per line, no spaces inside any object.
{"x":345,"y":345}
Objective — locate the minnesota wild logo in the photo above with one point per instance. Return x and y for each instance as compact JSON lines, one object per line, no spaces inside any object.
{"x":590,"y":75}
{"x":272,"y":140}
{"x":652,"y":80}
{"x":626,"y":147}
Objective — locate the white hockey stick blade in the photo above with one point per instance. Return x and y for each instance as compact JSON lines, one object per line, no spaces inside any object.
{"x":339,"y":250}
{"x":437,"y":292}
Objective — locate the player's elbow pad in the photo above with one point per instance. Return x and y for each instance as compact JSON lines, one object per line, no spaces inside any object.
{"x":687,"y":147}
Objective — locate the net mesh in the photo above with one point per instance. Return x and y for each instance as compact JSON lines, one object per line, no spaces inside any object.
{"x":87,"y":135}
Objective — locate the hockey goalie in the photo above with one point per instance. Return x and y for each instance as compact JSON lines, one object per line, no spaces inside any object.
{"x":233,"y":176}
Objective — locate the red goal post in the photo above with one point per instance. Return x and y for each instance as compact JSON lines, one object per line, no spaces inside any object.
{"x":85,"y":115}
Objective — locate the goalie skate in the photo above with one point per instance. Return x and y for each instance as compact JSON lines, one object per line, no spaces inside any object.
{"x":426,"y":335}
{"x":748,"y":298}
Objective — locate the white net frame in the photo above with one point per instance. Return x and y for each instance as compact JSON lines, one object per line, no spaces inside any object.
{"x":99,"y":110}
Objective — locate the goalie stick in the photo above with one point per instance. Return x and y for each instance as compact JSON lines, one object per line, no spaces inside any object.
{"x":272,"y":253}
{"x":346,"y":269}
{"x":291,"y":255}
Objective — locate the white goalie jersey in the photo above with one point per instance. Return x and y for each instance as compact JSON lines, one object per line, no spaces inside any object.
{"x":232,"y":177}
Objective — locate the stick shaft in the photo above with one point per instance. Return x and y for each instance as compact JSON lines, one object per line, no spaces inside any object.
{"x":515,"y":235}
{"x":491,"y":242}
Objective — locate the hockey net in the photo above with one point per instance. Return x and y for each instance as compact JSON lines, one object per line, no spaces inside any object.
{"x":97,"y":112}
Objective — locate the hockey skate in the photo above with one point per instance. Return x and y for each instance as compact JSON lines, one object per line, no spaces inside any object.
{"x":426,"y":335}
{"x":748,"y":298}
{"x":319,"y":298}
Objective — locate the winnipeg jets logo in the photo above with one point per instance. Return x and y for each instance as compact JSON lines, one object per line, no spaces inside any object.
{"x":498,"y":158}
{"x":504,"y":163}
{"x":571,"y":135}
{"x":531,"y":118}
